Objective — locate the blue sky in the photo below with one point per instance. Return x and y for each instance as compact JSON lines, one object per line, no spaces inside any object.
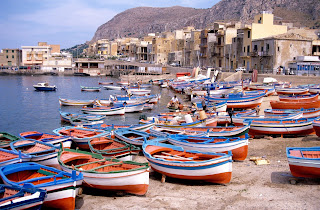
{"x":67,"y":22}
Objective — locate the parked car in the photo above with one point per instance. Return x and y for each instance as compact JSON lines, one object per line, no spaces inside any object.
{"x":241,"y":69}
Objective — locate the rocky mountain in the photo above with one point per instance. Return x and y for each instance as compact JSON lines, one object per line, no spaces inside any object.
{"x":138,"y":22}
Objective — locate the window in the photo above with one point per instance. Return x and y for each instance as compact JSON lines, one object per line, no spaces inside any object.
{"x":7,"y":51}
{"x":255,"y":48}
{"x":262,"y":49}
{"x":248,"y":48}
{"x":12,"y":51}
{"x":7,"y":56}
{"x":244,"y":49}
{"x":12,"y":56}
{"x":249,"y":32}
{"x":278,"y":49}
{"x":244,"y":63}
{"x":268,"y":47}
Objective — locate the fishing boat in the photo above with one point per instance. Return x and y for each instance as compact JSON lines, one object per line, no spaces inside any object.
{"x":61,"y":187}
{"x":239,"y":100}
{"x":138,"y":91}
{"x":165,"y":131}
{"x":106,"y":173}
{"x":10,"y":157}
{"x":316,"y":126}
{"x":292,"y":91}
{"x":314,"y":89}
{"x":148,"y":106}
{"x":304,"y":162}
{"x":105,"y":83}
{"x":44,"y":86}
{"x":224,"y":117}
{"x":6,"y":139}
{"x":104,"y":110}
{"x":238,"y":146}
{"x":306,"y":113}
{"x":135,"y":137}
{"x":90,"y":89}
{"x":176,"y":162}
{"x":48,"y":138}
{"x":277,"y":126}
{"x":299,"y":98}
{"x":21,"y":197}
{"x":40,"y":152}
{"x":80,"y":135}
{"x":295,"y":105}
{"x":238,"y":120}
{"x":109,"y":148}
{"x":70,"y":102}
{"x":221,"y":131}
{"x":67,"y":116}
{"x":113,"y":87}
{"x":110,"y":127}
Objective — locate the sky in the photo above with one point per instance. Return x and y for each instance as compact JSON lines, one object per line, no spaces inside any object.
{"x":67,"y":22}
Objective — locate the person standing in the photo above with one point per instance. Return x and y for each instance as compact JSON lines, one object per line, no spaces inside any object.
{"x":204,"y":105}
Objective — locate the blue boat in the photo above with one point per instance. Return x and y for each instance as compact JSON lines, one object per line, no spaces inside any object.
{"x":21,"y":197}
{"x":61,"y":187}
{"x":8,"y":157}
{"x":44,"y":86}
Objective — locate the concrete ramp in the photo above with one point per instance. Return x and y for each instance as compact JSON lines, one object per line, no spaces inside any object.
{"x":233,"y":77}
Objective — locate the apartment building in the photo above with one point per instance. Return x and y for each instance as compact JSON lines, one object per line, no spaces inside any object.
{"x":10,"y":57}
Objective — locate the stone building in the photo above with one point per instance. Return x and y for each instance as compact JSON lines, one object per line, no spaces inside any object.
{"x":10,"y":57}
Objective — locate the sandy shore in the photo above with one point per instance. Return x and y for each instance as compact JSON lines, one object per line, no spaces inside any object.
{"x":251,"y":186}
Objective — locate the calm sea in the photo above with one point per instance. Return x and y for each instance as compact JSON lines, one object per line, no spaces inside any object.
{"x":24,"y":109}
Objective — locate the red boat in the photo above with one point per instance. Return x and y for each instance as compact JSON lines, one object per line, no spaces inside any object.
{"x":295,"y":105}
{"x":298,"y":98}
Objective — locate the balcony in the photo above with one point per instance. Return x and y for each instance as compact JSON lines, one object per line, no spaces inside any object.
{"x":253,"y":54}
{"x":264,"y":53}
{"x":218,"y":44}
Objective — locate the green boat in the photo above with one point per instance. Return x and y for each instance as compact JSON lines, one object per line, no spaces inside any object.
{"x":6,"y":139}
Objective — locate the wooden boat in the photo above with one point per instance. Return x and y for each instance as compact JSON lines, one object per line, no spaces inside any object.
{"x":314,"y":89}
{"x":216,"y":107}
{"x":109,"y":148}
{"x":70,"y":102}
{"x":172,"y":124}
{"x":138,"y":91}
{"x":224,"y":117}
{"x":40,"y":152}
{"x":104,"y":110}
{"x":44,"y":86}
{"x":238,"y":146}
{"x":6,"y":139}
{"x":316,"y":126}
{"x":148,"y":106}
{"x":296,"y":105}
{"x":68,"y":117}
{"x":239,"y":100}
{"x":136,"y":137}
{"x":238,"y":120}
{"x":306,"y":113}
{"x":109,"y":127}
{"x":81,"y":136}
{"x":298,"y":98}
{"x":21,"y":197}
{"x":105,"y":83}
{"x":105,"y":173}
{"x":91,"y":89}
{"x":277,"y":126}
{"x":47,"y":138}
{"x":113,"y":87}
{"x":221,"y":131}
{"x":174,"y":161}
{"x":304,"y":162}
{"x":10,"y":157}
{"x":292,"y":91}
{"x":165,"y":131}
{"x":61,"y":187}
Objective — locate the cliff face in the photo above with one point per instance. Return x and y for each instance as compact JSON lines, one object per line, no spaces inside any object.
{"x":140,"y":21}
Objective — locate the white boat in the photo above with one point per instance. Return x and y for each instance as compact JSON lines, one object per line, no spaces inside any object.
{"x":70,"y":102}
{"x":137,"y":107}
{"x":104,"y":110}
{"x":113,"y":87}
{"x":44,"y":86}
{"x":138,"y":91}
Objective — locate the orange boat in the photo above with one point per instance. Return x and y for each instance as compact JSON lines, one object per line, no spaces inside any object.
{"x":295,"y":105}
{"x":298,"y":98}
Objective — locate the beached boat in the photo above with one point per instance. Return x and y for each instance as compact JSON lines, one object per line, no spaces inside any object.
{"x":314,"y":89}
{"x":148,"y":106}
{"x":295,"y":105}
{"x":292,"y":91}
{"x":316,"y":126}
{"x":306,"y":113}
{"x":6,"y":139}
{"x":239,"y":100}
{"x":104,"y":110}
{"x":111,"y":127}
{"x":61,"y":187}
{"x":21,"y":197}
{"x":238,"y":120}
{"x":136,"y":137}
{"x":44,"y":86}
{"x":221,"y":131}
{"x":298,"y":98}
{"x":48,"y":138}
{"x":67,"y":117}
{"x":277,"y":126}
{"x":109,"y":148}
{"x":105,"y":173}
{"x":304,"y":162}
{"x":10,"y":157}
{"x":238,"y":146}
{"x":138,"y":91}
{"x":40,"y":152}
{"x":176,"y":162}
{"x":90,"y":89}
{"x":70,"y":102}
{"x":79,"y":135}
{"x":165,"y":131}
{"x":134,"y":107}
{"x":105,"y":83}
{"x":224,"y":117}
